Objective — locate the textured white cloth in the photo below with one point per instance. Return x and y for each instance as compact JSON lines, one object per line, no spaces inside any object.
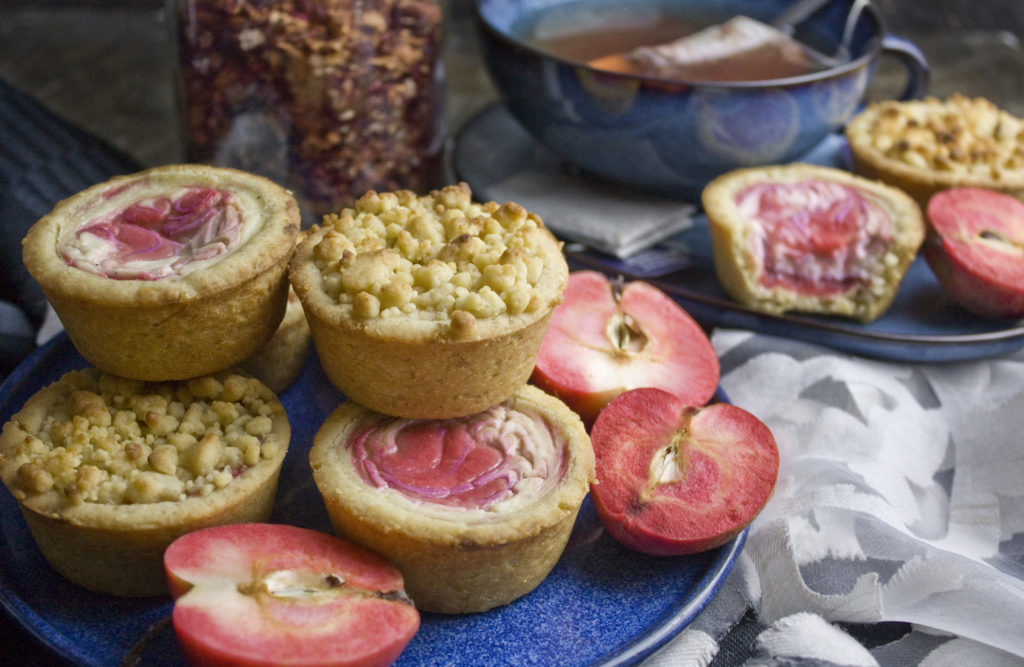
{"x":900,"y":498}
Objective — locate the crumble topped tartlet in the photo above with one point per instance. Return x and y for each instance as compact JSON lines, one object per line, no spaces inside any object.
{"x":812,"y":239}
{"x":170,"y":273}
{"x":429,"y":306}
{"x":924,"y":146}
{"x":474,"y":511}
{"x":108,"y":471}
{"x":279,"y":363}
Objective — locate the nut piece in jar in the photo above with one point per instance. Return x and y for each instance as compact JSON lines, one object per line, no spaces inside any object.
{"x":108,"y":471}
{"x":170,"y":273}
{"x":331,"y":98}
{"x":811,"y":239}
{"x":429,"y":306}
{"x":925,"y":146}
{"x":474,"y":511}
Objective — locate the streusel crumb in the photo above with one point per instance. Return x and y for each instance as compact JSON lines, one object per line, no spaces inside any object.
{"x":435,"y":257}
{"x":114,"y":441}
{"x":961,"y":135}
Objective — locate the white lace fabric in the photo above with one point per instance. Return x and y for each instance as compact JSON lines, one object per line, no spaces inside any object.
{"x":900,"y":497}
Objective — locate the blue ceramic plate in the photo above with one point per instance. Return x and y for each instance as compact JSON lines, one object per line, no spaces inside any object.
{"x":602,"y":604}
{"x":922,"y":325}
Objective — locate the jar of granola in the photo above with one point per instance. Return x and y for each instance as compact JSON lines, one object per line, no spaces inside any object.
{"x":330,"y":98}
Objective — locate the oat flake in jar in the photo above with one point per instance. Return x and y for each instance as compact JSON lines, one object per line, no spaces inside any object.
{"x":330,"y":98}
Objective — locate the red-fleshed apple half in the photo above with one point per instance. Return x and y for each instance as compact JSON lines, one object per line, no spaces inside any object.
{"x":266,"y":594}
{"x":607,"y":337}
{"x":676,"y":479}
{"x":975,"y":248}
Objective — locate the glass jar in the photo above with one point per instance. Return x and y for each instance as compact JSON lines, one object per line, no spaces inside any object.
{"x":330,"y":98}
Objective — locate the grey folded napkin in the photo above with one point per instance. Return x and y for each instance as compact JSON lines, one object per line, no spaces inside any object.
{"x":612,"y":221}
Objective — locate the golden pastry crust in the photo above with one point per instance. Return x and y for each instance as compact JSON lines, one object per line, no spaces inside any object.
{"x":180,"y":325}
{"x":738,"y":242}
{"x":453,"y":564}
{"x":108,"y":471}
{"x":432,"y":306}
{"x":924,"y":146}
{"x":278,"y":363}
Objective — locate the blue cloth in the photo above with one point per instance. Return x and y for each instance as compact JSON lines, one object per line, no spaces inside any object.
{"x":43,"y":159}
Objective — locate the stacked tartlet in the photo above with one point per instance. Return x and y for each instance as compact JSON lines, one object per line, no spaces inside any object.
{"x":429,"y":306}
{"x":428,"y":313}
{"x":164,"y":280}
{"x":108,"y":471}
{"x":169,"y":273}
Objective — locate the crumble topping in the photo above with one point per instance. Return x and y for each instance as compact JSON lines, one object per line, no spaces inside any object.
{"x":435,"y":257}
{"x":959,"y":135}
{"x":109,"y":440}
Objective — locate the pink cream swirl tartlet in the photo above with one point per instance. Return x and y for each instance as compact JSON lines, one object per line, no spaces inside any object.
{"x":475,"y":511}
{"x":170,"y":273}
{"x":486,"y":464}
{"x":815,"y":236}
{"x":811,"y":239}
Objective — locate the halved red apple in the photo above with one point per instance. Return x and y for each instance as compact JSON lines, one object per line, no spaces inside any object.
{"x":263,"y":594}
{"x":607,"y":337}
{"x":975,"y":247}
{"x":676,"y":479}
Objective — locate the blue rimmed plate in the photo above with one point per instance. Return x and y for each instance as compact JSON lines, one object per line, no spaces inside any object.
{"x":922,"y":325}
{"x":601,"y":605}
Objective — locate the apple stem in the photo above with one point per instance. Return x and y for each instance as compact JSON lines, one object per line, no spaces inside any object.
{"x":623,"y":331}
{"x":618,"y":287}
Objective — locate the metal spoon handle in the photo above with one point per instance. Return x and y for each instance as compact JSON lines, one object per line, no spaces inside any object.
{"x":797,"y":12}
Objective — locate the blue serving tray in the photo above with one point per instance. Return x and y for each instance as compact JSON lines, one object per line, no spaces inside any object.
{"x":601,"y":605}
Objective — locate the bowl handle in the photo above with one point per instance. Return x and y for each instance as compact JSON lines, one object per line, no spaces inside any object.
{"x":913,"y":60}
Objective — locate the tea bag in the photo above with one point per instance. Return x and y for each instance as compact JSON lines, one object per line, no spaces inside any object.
{"x":741,"y":49}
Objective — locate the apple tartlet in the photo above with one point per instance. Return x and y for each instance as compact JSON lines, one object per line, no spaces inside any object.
{"x":925,"y":146}
{"x":474,"y":511}
{"x":278,"y":363}
{"x":170,"y":273}
{"x":109,"y":471}
{"x":429,"y":306}
{"x":811,"y":239}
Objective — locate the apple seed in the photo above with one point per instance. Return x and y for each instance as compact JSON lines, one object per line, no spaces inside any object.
{"x":625,"y":334}
{"x":668,"y":466}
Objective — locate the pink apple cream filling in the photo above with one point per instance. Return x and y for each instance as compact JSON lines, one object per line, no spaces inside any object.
{"x":815,"y":237}
{"x":475,"y":468}
{"x":140,"y":231}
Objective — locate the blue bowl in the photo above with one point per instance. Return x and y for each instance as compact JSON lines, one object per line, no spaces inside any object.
{"x":673,"y":137}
